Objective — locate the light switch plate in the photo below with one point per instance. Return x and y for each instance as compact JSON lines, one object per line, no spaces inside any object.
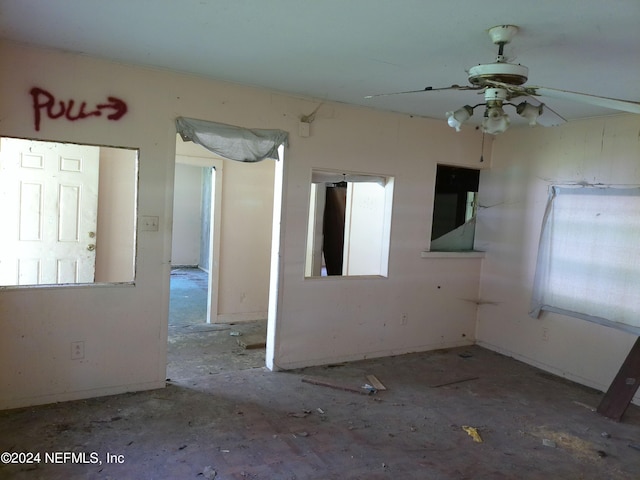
{"x":149,"y":224}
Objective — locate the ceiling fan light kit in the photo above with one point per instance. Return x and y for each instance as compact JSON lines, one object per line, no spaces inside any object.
{"x":530,"y":112}
{"x":502,"y":82}
{"x":496,"y":120}
{"x":457,"y":118}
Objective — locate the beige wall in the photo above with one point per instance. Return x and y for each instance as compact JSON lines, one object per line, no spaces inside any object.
{"x":525,"y":163}
{"x":187,"y":215}
{"x":318,"y":320}
{"x":245,"y":244}
{"x":115,"y":238}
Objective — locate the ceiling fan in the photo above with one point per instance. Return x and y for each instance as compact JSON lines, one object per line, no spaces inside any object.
{"x":503,"y":81}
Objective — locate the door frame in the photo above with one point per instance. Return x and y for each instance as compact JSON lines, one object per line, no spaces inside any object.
{"x":274,"y":314}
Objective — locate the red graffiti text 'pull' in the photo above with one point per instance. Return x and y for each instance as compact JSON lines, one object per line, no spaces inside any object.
{"x":44,"y":103}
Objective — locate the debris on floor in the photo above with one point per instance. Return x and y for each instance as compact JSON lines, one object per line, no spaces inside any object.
{"x":209,"y":473}
{"x":473,"y":433}
{"x":235,"y":333}
{"x":451,"y":382}
{"x":373,"y":380}
{"x":252,"y":342}
{"x":369,"y":388}
{"x":338,"y":386}
{"x":588,"y":407}
{"x":299,"y":414}
{"x":578,"y":447}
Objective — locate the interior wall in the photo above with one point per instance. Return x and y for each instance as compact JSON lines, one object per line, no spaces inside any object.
{"x":423,"y":303}
{"x":513,"y":196}
{"x":245,"y":244}
{"x":124,"y":327}
{"x":115,"y":236}
{"x":187,"y":219}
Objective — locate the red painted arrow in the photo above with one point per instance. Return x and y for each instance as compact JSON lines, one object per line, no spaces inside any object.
{"x":119,"y":107}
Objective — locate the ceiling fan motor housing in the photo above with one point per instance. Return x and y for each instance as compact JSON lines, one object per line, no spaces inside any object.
{"x":503,"y":33}
{"x":498,"y":72}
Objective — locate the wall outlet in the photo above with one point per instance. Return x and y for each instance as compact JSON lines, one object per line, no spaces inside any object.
{"x":404,"y":319}
{"x":545,"y":334}
{"x":77,"y":350}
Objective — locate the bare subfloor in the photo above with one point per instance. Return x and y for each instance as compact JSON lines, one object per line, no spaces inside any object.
{"x":194,"y":351}
{"x":256,"y":424}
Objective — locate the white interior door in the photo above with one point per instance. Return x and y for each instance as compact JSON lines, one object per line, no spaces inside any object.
{"x":49,"y":194}
{"x":364,"y":227}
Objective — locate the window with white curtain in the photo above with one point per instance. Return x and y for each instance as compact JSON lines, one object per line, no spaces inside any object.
{"x":588,"y":262}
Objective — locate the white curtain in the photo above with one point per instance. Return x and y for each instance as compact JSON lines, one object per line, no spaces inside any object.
{"x":589,"y":256}
{"x":234,"y":143}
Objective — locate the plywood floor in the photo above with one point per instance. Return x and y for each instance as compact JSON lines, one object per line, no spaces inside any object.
{"x":256,"y":424}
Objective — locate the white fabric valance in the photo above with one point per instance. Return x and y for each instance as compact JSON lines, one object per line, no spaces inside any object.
{"x":234,"y":143}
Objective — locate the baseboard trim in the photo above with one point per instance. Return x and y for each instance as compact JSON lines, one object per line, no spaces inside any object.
{"x":279,"y":365}
{"x":241,"y":317}
{"x":10,"y":403}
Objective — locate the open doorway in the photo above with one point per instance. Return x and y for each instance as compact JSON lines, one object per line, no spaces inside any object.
{"x":194,"y":208}
{"x":219,"y":324}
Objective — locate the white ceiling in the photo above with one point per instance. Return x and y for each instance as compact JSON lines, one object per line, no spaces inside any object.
{"x":343,"y":50}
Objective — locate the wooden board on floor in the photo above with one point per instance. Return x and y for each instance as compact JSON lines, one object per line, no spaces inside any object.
{"x":335,"y":385}
{"x":251,"y":342}
{"x":443,"y":382}
{"x":624,"y":386}
{"x":375,"y":383}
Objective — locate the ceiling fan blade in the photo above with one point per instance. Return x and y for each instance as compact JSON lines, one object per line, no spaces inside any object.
{"x":613,"y":103}
{"x":427,"y":89}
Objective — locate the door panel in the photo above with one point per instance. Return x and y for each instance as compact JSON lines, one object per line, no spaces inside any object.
{"x":51,"y":191}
